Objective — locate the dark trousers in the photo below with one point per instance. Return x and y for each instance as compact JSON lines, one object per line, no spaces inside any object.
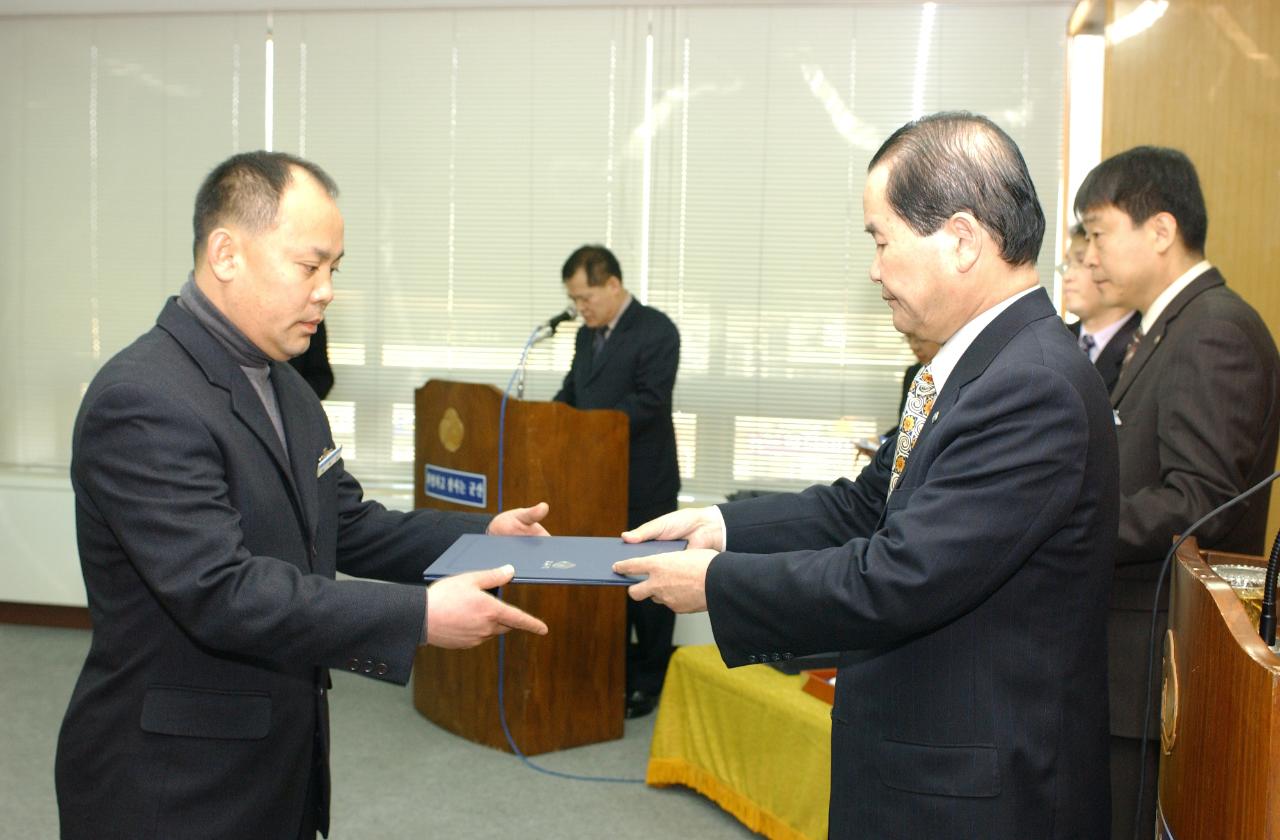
{"x":652,"y":624}
{"x":1126,"y":766}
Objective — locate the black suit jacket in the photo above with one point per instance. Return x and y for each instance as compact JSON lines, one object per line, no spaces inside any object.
{"x":1111,"y":358}
{"x":972,"y":700}
{"x":1198,"y":409}
{"x":636,"y":374}
{"x":209,"y":555}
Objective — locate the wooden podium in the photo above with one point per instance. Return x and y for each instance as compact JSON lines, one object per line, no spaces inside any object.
{"x":1220,"y":711}
{"x":564,"y":689}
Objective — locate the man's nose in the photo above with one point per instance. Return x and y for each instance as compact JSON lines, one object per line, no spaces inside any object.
{"x":1091,"y":256}
{"x":323,"y":292}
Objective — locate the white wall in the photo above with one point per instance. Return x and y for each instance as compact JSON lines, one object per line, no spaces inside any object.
{"x":38,"y":561}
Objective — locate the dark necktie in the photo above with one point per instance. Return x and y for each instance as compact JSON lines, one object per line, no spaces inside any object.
{"x":597,"y":345}
{"x":1087,"y":343}
{"x":1131,"y":348}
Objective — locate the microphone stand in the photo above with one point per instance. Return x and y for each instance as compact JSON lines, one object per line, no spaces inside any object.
{"x":540,"y":333}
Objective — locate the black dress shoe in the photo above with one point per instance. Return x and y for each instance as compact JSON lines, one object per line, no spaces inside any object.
{"x":640,"y":703}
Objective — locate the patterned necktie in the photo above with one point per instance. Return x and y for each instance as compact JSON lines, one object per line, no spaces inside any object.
{"x":914,"y":416}
{"x":1131,"y":348}
{"x":1087,"y":343}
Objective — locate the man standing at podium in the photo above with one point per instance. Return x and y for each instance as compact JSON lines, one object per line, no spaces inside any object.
{"x":213,"y":509}
{"x":1197,"y":410}
{"x":626,"y":358}
{"x":965,"y":573}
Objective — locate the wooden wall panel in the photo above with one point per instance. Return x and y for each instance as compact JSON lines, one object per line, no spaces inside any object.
{"x":1205,"y":78}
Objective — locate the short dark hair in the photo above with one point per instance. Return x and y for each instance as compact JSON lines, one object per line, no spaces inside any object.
{"x":956,"y":161}
{"x":246,"y":189}
{"x":1147,"y":180}
{"x":597,"y":261}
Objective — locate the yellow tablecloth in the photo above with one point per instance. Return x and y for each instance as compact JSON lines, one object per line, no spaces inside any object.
{"x":750,"y":739}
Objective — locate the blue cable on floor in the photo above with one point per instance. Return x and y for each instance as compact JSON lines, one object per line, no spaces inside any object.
{"x":502,"y":640}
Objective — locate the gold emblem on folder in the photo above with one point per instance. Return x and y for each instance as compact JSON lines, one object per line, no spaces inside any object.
{"x":452,"y":431}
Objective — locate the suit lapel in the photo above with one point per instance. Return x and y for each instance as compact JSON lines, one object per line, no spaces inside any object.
{"x":303,"y":449}
{"x":617,"y":338}
{"x":992,"y":340}
{"x":222,"y":371}
{"x":1114,"y":351}
{"x":978,"y":357}
{"x":1150,"y":342}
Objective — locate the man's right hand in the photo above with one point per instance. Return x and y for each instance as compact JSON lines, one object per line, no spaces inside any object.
{"x":460,"y":614}
{"x":702,"y":527}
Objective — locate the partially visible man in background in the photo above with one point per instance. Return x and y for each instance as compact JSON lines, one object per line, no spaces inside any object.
{"x":1197,"y":412}
{"x":1104,"y":330}
{"x":314,"y":365}
{"x":626,"y":358}
{"x":212,"y":511}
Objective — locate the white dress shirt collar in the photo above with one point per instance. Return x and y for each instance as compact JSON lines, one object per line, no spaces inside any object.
{"x":617,"y":316}
{"x":1158,"y":305}
{"x":949,"y":354}
{"x":1103,"y":336}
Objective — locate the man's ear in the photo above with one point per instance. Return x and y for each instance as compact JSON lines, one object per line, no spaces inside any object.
{"x":1162,"y":227}
{"x":222,"y":253}
{"x":968,"y":237}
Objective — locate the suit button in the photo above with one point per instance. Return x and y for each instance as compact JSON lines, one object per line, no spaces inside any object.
{"x":788,"y":656}
{"x":353,"y":664}
{"x":777,"y":657}
{"x":751,"y":659}
{"x":381,"y":670}
{"x":368,"y":666}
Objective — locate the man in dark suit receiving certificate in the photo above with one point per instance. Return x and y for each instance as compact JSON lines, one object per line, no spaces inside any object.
{"x":213,"y":509}
{"x":965,"y":572}
{"x":1197,"y":412}
{"x":626,"y":358}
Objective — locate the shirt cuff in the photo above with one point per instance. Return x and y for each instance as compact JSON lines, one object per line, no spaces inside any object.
{"x":717,"y":522}
{"x":426,"y":605}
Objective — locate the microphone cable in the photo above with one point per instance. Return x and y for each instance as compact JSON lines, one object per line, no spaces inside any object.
{"x":1151,"y":640}
{"x":502,"y":639}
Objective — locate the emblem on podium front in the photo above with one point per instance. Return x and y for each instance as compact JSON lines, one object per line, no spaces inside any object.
{"x":1169,"y":695}
{"x":452,"y":430}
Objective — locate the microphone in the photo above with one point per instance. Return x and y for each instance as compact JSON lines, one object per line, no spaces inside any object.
{"x":1268,"y":587}
{"x":570,"y":312}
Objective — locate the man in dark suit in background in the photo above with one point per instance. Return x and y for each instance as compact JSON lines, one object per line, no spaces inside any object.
{"x":966,"y":571}
{"x":626,"y":358}
{"x":314,"y":363}
{"x":212,"y":511}
{"x":1196,"y":417}
{"x":1104,"y":330}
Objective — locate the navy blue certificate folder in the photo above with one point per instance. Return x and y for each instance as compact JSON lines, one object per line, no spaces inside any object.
{"x":582,"y":560}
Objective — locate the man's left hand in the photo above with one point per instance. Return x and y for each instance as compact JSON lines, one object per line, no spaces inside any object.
{"x":677,"y":579}
{"x":520,"y":522}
